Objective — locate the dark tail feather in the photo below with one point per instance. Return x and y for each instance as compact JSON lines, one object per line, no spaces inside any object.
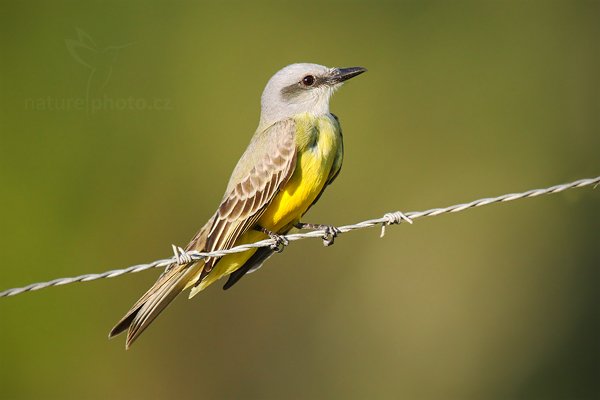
{"x":123,"y":324}
{"x":253,"y":263}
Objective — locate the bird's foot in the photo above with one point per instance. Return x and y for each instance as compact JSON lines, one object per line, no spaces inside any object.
{"x":279,"y":241}
{"x":331,"y":232}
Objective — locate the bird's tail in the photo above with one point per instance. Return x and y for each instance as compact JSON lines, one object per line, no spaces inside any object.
{"x":155,"y":300}
{"x":173,"y":281}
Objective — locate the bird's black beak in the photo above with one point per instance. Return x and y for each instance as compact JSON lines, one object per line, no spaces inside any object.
{"x":343,"y":74}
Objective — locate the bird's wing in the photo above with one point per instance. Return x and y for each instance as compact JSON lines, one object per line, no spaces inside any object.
{"x":337,"y":163}
{"x":264,"y":168}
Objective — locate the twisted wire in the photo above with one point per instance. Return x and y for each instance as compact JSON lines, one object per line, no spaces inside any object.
{"x":387,"y":219}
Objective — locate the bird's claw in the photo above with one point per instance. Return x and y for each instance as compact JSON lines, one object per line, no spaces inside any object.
{"x":279,"y":242}
{"x":331,"y":232}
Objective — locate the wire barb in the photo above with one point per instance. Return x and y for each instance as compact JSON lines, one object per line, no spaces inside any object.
{"x":182,"y":256}
{"x":394,"y":218}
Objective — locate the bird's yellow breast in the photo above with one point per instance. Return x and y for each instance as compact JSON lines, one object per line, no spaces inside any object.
{"x":318,"y":141}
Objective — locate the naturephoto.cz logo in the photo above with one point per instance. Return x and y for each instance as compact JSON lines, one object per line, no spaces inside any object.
{"x":100,"y":63}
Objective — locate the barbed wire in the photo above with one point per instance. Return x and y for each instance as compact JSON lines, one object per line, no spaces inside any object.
{"x":387,"y":219}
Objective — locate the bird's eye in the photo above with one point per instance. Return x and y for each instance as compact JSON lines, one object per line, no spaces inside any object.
{"x":308,"y":80}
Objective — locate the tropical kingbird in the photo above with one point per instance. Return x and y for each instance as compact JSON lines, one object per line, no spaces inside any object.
{"x":296,"y":152}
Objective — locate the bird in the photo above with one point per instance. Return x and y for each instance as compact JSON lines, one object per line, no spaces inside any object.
{"x":296,"y":152}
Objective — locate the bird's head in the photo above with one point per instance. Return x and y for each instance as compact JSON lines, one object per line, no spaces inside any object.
{"x":302,"y":88}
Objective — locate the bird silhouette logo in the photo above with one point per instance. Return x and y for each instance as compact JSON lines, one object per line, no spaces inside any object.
{"x":99,"y":61}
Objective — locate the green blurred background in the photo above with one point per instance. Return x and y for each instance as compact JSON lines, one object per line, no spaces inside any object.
{"x":121,"y":121}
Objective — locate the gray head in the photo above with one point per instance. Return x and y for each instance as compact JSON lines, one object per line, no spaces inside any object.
{"x":302,"y":88}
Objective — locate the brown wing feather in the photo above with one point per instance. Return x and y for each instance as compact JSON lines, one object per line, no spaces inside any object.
{"x":248,"y":198}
